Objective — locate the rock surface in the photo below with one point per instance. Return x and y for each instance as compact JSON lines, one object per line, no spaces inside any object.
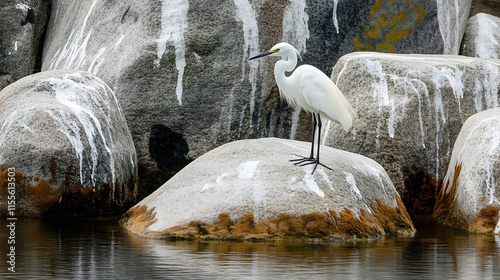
{"x":491,"y":7}
{"x":249,"y":188}
{"x":65,"y":135}
{"x":410,"y":109}
{"x":182,"y":66}
{"x":469,"y":198}
{"x":482,"y":37}
{"x":22,"y":26}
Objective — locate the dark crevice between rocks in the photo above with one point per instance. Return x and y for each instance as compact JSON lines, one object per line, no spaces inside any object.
{"x":420,"y":193}
{"x":42,"y":41}
{"x":170,"y":151}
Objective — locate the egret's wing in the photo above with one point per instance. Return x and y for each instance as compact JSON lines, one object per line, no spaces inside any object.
{"x":323,"y":95}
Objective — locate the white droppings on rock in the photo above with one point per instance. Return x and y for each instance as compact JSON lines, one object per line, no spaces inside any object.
{"x":247,"y":16}
{"x":66,"y":91}
{"x":335,"y":19}
{"x":452,"y":23}
{"x":485,"y":42}
{"x":23,"y":7}
{"x":173,"y":26}
{"x":352,"y":182}
{"x":74,"y":51}
{"x":118,"y":42}
{"x":295,"y":27}
{"x":247,"y":169}
{"x":311,"y":184}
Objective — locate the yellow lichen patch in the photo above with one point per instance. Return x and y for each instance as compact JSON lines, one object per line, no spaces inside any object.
{"x":382,"y":219}
{"x":486,"y":220}
{"x":390,"y":25}
{"x":138,"y":219}
{"x":445,"y":210}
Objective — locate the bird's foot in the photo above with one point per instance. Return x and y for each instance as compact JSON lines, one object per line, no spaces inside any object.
{"x":309,"y":160}
{"x":303,"y":161}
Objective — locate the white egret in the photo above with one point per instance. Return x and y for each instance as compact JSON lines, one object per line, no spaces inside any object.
{"x":312,"y":90}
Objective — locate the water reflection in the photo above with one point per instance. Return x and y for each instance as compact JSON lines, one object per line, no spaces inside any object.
{"x":100,"y":249}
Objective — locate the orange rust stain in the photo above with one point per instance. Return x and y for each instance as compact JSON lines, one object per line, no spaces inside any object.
{"x":445,"y":210}
{"x":138,"y":218}
{"x":383,"y":219}
{"x":36,"y":197}
{"x":44,"y":196}
{"x":486,"y":220}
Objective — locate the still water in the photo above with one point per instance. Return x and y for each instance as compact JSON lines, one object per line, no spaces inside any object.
{"x":100,"y":249}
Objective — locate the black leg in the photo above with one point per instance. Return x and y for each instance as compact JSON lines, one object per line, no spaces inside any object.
{"x":314,"y":132}
{"x":319,"y":142}
{"x":311,"y":157}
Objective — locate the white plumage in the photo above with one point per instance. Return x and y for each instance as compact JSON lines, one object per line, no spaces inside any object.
{"x":312,"y":90}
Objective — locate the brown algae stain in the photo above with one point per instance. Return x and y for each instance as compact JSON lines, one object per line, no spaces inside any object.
{"x":381,"y":220}
{"x":446,"y":210}
{"x":35,"y":197}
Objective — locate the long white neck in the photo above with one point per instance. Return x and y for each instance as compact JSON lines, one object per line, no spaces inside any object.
{"x":283,"y":66}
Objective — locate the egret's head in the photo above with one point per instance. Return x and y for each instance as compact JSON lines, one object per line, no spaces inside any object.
{"x":281,"y":49}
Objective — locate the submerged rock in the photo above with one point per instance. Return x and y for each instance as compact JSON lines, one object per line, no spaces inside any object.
{"x":482,"y":37}
{"x":410,"y":110}
{"x":469,"y":198}
{"x":64,"y":135}
{"x":249,"y":189}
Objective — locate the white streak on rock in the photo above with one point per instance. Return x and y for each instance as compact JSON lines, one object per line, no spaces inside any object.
{"x":118,"y":42}
{"x":247,"y":169}
{"x":352,"y":182}
{"x":173,"y":25}
{"x":94,"y":65}
{"x":450,"y":24}
{"x":485,"y":42}
{"x":312,"y":185}
{"x":295,"y":123}
{"x":335,"y":20}
{"x":75,"y":47}
{"x":295,"y":28}
{"x":247,"y":16}
{"x":23,"y":7}
{"x":81,"y":109}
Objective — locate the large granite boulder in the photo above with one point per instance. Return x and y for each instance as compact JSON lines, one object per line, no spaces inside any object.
{"x":482,"y":37}
{"x":250,"y":189}
{"x":22,"y":25}
{"x":64,"y":135}
{"x":180,"y":68}
{"x":469,"y":197}
{"x":410,"y":111}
